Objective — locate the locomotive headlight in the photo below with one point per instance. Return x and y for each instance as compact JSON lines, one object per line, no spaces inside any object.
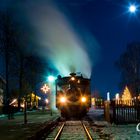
{"x":83,"y":99}
{"x":63,"y":99}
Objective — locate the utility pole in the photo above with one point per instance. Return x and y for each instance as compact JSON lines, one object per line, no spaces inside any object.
{"x":25,"y":110}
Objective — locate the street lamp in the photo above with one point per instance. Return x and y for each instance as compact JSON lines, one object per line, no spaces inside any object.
{"x":51,"y":81}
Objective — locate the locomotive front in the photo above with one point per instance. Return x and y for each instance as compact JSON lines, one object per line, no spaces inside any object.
{"x":73,"y":96}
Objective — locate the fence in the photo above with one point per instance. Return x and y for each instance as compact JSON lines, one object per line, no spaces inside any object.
{"x":123,"y":112}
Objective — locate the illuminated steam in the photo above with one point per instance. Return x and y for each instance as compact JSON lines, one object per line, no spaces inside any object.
{"x":58,"y":41}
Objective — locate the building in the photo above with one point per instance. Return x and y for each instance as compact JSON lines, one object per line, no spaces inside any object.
{"x":32,"y":101}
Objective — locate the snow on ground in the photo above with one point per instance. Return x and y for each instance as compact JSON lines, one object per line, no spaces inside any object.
{"x":122,"y":132}
{"x":116,"y":132}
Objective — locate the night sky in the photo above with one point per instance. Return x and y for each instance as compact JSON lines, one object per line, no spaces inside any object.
{"x":113,"y":27}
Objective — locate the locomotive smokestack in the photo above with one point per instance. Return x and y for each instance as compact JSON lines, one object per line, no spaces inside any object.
{"x":73,"y":74}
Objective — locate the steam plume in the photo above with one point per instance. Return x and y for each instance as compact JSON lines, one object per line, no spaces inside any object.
{"x":58,"y":40}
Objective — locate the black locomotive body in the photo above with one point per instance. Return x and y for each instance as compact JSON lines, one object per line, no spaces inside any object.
{"x":73,"y":96}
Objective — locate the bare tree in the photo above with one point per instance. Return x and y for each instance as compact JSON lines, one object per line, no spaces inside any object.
{"x":129,"y":65}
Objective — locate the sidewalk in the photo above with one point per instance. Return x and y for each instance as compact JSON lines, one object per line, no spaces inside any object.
{"x":15,"y":129}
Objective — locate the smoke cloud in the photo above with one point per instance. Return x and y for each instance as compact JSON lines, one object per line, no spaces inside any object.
{"x":58,"y":41}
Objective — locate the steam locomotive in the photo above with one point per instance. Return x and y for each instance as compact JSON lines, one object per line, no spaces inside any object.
{"x":73,"y":96}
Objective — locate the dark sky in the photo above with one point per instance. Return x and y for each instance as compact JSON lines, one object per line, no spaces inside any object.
{"x":113,"y":27}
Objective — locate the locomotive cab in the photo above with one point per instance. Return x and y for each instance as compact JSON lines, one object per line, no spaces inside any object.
{"x":73,"y":96}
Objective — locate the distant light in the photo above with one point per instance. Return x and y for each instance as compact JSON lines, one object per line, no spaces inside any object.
{"x":51,"y":78}
{"x":22,"y":105}
{"x":117,"y":96}
{"x":108,"y":96}
{"x":45,"y":88}
{"x":47,"y":101}
{"x":13,"y":101}
{"x":132,"y":8}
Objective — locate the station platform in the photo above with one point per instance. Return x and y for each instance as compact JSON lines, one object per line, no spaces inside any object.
{"x":15,"y":129}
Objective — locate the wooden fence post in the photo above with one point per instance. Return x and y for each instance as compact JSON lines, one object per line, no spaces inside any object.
{"x":107,"y":110}
{"x":114,"y":111}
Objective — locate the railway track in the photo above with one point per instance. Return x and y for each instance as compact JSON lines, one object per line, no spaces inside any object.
{"x":70,"y":130}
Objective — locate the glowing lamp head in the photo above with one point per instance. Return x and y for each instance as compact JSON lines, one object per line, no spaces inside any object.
{"x":132,"y":8}
{"x":83,"y":99}
{"x":62,"y":99}
{"x":51,"y":78}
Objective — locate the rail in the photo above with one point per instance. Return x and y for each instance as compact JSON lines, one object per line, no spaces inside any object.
{"x":87,"y":132}
{"x":85,"y":128}
{"x":59,"y":132}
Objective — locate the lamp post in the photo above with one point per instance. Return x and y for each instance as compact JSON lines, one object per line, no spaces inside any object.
{"x":50,"y":87}
{"x":51,"y":82}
